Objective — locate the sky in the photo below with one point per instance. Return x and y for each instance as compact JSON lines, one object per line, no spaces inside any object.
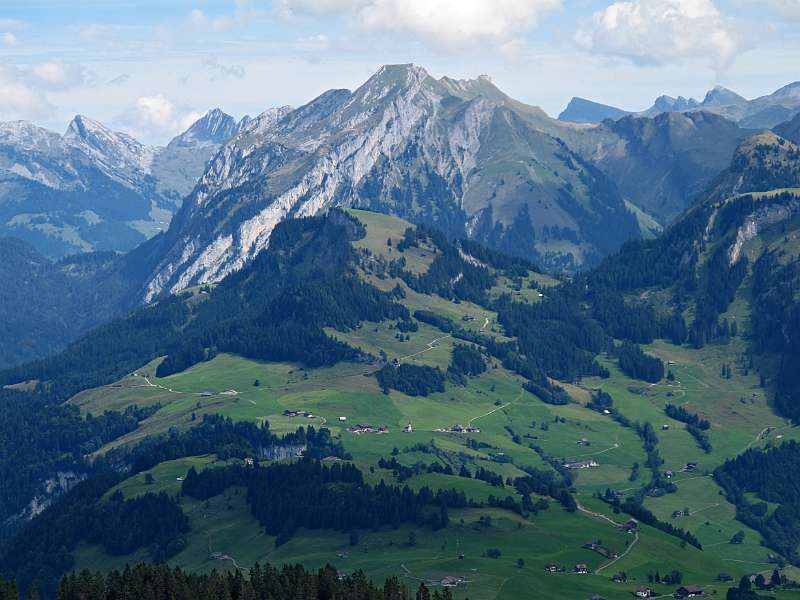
{"x":151,"y":67}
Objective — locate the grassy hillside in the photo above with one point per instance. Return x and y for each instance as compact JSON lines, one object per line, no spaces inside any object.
{"x":517,"y":431}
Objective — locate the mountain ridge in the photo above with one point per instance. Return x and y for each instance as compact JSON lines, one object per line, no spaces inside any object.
{"x":327,"y":151}
{"x":759,"y":113}
{"x":96,"y":189}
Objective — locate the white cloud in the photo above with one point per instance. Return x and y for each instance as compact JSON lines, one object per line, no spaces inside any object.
{"x":156,"y":110}
{"x":57,"y":75}
{"x":19,"y":99}
{"x":244,"y":14}
{"x":9,"y":39}
{"x":322,"y":7}
{"x":24,"y":90}
{"x":313,"y":43}
{"x":449,"y":23}
{"x":156,"y":117}
{"x":202,"y":21}
{"x":789,"y":9}
{"x":660,"y":31}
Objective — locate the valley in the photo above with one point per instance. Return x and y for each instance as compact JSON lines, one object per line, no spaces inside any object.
{"x":417,"y":334}
{"x":517,"y":431}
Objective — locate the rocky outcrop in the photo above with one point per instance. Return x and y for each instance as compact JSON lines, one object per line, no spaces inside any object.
{"x":759,"y":220}
{"x":433,"y":151}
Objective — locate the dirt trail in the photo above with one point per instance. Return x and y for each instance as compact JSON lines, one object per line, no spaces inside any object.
{"x":491,"y":412}
{"x":431,"y":345}
{"x":621,"y":556}
{"x":611,"y":521}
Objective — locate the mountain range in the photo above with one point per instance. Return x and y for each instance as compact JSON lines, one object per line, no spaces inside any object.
{"x":433,"y":151}
{"x":97,"y":189}
{"x":664,"y":376}
{"x":417,"y":331}
{"x":763,"y":112}
{"x":458,"y":155}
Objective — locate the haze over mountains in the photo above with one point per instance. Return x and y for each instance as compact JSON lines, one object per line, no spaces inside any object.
{"x":97,"y":189}
{"x":763,"y":112}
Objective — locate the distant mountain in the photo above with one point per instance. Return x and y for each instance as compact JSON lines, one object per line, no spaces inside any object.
{"x":763,"y":112}
{"x":459,"y":155}
{"x":178,"y":166}
{"x":661,"y":164}
{"x":790,"y":129}
{"x":94,"y":188}
{"x":580,"y":110}
{"x":45,"y":305}
{"x":665,"y":104}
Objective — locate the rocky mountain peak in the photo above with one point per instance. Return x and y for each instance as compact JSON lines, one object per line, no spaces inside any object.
{"x":264,"y":121}
{"x":24,"y":134}
{"x":118,"y":154}
{"x":722,"y":96}
{"x":214,"y":127}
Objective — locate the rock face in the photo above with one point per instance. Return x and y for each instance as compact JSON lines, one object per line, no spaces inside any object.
{"x":96,"y":189}
{"x":178,"y":166}
{"x":456,"y":154}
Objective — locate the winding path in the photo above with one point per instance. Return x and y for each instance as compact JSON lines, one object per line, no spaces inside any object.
{"x":434,"y":343}
{"x":603,"y":517}
{"x":491,"y":412}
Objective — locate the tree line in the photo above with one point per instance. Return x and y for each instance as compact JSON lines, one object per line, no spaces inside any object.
{"x":313,"y":495}
{"x":161,"y":582}
{"x":767,"y":474}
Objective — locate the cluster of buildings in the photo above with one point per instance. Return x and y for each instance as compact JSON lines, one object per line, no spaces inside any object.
{"x":580,"y":568}
{"x":582,"y":464}
{"x":460,"y":429}
{"x":298,"y":413}
{"x":360,"y":428}
{"x":453,"y":580}
{"x":686,"y":591}
{"x":630,"y":526}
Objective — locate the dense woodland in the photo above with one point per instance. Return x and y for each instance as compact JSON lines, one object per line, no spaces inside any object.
{"x":39,"y":436}
{"x":41,"y":551}
{"x":638,"y":365}
{"x":776,"y":325}
{"x":312,"y":495}
{"x":414,"y":380}
{"x":160,"y":582}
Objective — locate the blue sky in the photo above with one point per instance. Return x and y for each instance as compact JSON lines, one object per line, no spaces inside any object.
{"x":149,"y":67}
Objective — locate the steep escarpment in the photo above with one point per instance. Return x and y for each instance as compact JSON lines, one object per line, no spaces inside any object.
{"x":458,"y":155}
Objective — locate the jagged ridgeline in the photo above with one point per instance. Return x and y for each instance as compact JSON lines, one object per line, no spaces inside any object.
{"x":461,"y":156}
{"x":458,"y":155}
